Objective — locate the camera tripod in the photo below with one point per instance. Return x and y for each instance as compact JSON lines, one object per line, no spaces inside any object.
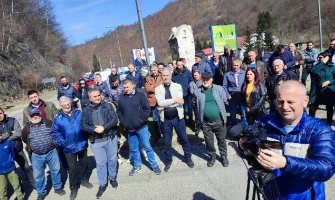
{"x":260,"y":177}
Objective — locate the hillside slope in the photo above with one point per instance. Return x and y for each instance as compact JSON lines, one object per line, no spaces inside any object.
{"x":294,"y":21}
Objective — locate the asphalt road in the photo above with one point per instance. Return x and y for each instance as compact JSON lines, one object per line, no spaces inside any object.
{"x":180,"y":183}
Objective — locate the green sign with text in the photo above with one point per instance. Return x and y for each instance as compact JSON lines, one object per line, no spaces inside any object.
{"x":223,"y":35}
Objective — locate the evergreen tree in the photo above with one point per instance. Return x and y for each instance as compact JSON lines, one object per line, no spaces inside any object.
{"x":248,"y":44}
{"x":96,"y":64}
{"x":198,"y":45}
{"x":264,"y":31}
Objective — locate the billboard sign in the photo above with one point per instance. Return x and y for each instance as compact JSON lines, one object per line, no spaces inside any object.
{"x":222,"y":35}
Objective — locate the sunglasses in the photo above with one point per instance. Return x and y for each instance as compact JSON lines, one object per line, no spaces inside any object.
{"x":82,"y":83}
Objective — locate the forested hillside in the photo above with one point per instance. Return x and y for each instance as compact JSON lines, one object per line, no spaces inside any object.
{"x":30,"y":45}
{"x":294,"y":20}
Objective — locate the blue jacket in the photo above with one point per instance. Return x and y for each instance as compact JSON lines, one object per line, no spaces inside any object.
{"x":229,"y":83}
{"x":7,"y":157}
{"x":67,"y":133}
{"x":303,"y":175}
{"x":184,"y":79}
{"x":137,"y":78}
{"x":287,"y":57}
{"x":104,"y":89}
{"x":202,"y":67}
{"x":68,"y":91}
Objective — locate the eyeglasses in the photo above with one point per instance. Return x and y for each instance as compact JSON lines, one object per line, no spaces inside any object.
{"x":82,"y":83}
{"x":320,"y":57}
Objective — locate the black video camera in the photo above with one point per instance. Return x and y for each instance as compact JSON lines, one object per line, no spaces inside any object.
{"x":255,"y":137}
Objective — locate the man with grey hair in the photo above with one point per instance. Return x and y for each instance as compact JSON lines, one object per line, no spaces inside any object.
{"x":309,"y":156}
{"x":99,"y":121}
{"x":232,"y":84}
{"x":73,"y":143}
{"x":256,"y":64}
{"x":271,"y":82}
{"x":170,"y":102}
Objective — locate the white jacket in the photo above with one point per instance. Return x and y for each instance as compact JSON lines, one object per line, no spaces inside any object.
{"x":176,"y":91}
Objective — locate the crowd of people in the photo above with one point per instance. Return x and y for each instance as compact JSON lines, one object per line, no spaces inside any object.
{"x":101,"y":114}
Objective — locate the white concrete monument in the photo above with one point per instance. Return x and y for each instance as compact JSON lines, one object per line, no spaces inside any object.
{"x":181,"y":43}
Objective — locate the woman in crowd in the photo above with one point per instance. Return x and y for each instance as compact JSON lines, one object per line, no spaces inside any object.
{"x":83,"y":93}
{"x":323,"y":76}
{"x":197,"y":82}
{"x":253,"y":96}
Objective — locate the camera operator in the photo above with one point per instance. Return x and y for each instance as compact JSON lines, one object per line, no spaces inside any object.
{"x":308,"y":156}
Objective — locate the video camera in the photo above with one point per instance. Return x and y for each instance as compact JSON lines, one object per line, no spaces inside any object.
{"x":255,"y":137}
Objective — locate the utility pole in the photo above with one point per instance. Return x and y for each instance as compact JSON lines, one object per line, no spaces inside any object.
{"x":139,"y":13}
{"x":320,"y":26}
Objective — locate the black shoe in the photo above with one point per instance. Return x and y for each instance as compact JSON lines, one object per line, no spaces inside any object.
{"x":157,"y":170}
{"x":134,"y":171}
{"x":225,"y":161}
{"x":41,"y":197}
{"x":101,"y":191}
{"x":211,"y":161}
{"x":190,"y":163}
{"x":73,"y":194}
{"x":61,"y":192}
{"x":86,"y":184}
{"x":114,"y":183}
{"x":167,"y":167}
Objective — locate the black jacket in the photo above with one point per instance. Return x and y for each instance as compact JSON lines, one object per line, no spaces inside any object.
{"x":133,"y":111}
{"x":258,"y":96}
{"x":109,"y":116}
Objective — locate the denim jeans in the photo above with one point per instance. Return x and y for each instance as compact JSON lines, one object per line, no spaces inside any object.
{"x":179,"y":126}
{"x":141,"y":136}
{"x":105,"y":155}
{"x":234,"y":104}
{"x":38,"y":163}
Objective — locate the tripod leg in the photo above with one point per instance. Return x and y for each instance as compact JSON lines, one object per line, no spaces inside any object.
{"x":254,"y":192}
{"x":248,"y":189}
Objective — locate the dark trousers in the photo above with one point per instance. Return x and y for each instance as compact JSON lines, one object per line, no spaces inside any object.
{"x":188,"y":107}
{"x":218,"y":129}
{"x":329,"y":108}
{"x":180,"y":128}
{"x":305,"y":72}
{"x":22,"y":161}
{"x":77,"y":173}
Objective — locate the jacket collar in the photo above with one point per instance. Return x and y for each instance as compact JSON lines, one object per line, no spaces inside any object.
{"x":275,"y":122}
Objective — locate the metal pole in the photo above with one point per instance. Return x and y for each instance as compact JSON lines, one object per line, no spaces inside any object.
{"x":118,"y":43}
{"x":139,"y":13}
{"x":320,"y":26}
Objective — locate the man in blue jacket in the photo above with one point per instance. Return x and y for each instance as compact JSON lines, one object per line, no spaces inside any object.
{"x":70,"y":139}
{"x":7,"y":169}
{"x":183,"y":76}
{"x":135,"y":76}
{"x":284,"y":55}
{"x":308,"y":156}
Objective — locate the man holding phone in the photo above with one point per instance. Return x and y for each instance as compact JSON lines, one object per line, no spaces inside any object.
{"x":308,"y":156}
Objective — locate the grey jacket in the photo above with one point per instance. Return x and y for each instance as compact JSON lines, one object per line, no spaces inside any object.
{"x":220,"y":99}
